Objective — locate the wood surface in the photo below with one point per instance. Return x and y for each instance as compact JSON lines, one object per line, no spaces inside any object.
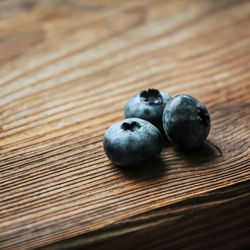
{"x":67,"y":67}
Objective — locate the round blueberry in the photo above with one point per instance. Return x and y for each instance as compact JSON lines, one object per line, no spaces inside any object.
{"x":132,"y":141}
{"x":186,"y":121}
{"x":148,"y":105}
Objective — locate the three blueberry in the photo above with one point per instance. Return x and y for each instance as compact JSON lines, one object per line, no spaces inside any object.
{"x":138,"y":139}
{"x":132,"y":142}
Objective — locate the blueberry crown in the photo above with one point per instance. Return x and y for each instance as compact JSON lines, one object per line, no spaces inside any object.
{"x":204,"y":117}
{"x":133,"y":126}
{"x":152,"y":96}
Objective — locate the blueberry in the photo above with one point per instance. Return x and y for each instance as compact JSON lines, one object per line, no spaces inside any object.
{"x":148,"y":105}
{"x":186,"y":121}
{"x":132,"y":141}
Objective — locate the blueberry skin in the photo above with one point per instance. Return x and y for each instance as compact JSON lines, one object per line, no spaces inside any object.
{"x":132,"y":141}
{"x":147,"y":105}
{"x":186,"y":121}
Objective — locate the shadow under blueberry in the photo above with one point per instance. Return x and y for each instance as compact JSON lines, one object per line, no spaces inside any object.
{"x":204,"y":153}
{"x":145,"y":172}
{"x":165,"y":142}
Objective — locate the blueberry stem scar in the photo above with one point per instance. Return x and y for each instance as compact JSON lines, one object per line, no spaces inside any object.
{"x":152,"y":96}
{"x":204,"y":117}
{"x":130,"y":126}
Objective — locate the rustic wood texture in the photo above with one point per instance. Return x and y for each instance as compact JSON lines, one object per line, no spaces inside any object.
{"x":66,"y":70}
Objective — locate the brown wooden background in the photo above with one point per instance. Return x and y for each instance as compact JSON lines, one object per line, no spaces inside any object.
{"x":66,"y":69}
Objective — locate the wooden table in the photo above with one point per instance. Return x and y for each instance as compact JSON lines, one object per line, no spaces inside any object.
{"x":67,"y":67}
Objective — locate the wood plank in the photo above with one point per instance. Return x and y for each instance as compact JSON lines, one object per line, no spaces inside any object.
{"x":66,"y":71}
{"x":204,"y":220}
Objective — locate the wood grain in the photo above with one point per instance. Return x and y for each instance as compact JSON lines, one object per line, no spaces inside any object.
{"x":66,"y":71}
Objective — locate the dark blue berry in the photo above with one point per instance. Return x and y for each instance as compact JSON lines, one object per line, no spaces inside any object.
{"x":148,"y":105}
{"x":132,"y":141}
{"x":186,"y":121}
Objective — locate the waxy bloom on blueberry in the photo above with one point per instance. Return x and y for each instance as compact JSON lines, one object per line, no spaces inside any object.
{"x":132,"y":141}
{"x":186,"y":121}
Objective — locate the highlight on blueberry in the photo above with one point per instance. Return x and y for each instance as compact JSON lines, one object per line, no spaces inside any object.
{"x":148,"y":105}
{"x":132,"y":141}
{"x":186,"y":121}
